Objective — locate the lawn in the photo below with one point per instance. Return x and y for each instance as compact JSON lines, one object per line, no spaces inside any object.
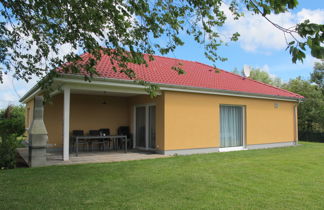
{"x":284,"y":178}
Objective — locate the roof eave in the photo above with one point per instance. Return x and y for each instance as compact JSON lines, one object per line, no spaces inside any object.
{"x":33,"y":91}
{"x":168,"y":87}
{"x":230,"y":93}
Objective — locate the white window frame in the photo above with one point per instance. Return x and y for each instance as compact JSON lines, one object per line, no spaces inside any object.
{"x":227,"y":149}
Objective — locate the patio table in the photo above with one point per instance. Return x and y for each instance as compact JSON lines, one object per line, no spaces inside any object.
{"x":113,"y":137}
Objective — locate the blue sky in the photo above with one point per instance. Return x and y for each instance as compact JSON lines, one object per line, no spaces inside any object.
{"x":260,"y":45}
{"x":268,"y":52}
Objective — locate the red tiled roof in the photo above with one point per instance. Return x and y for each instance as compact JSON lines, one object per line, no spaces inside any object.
{"x":196,"y":75}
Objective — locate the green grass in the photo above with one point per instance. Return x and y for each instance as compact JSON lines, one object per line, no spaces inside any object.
{"x":284,"y":178}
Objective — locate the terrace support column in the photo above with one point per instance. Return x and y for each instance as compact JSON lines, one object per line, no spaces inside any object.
{"x":66,"y":123}
{"x":37,"y":136}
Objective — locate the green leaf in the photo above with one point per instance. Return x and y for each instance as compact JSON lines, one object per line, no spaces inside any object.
{"x":291,"y":43}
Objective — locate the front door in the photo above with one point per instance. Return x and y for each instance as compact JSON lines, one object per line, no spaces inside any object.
{"x":231,"y":123}
{"x":145,"y":127}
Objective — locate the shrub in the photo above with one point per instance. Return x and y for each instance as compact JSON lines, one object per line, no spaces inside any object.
{"x":8,"y":147}
{"x":12,"y":120}
{"x":311,"y":136}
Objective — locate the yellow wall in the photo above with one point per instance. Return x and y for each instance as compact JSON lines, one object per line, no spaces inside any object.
{"x":192,"y":120}
{"x":29,"y":111}
{"x":89,"y":113}
{"x":86,"y":113}
{"x":183,"y":120}
{"x":159,"y":102}
{"x":53,"y":118}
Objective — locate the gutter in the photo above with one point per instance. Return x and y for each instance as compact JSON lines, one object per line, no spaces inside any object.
{"x":32,"y":92}
{"x":70,"y":78}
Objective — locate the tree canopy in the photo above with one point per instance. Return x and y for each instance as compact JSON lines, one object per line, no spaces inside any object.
{"x":318,"y":75}
{"x":32,"y":32}
{"x":261,"y":76}
{"x":12,"y":121}
{"x":311,"y":110}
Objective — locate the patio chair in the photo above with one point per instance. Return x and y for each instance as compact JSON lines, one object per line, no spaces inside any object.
{"x":124,"y":130}
{"x":82,"y":142}
{"x":106,"y":132}
{"x":100,"y":142}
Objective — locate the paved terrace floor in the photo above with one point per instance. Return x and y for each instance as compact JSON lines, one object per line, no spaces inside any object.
{"x":93,"y":157}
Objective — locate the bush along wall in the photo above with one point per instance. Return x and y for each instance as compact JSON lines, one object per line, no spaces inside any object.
{"x":311,"y":136}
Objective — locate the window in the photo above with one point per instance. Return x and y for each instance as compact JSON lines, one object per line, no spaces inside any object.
{"x":231,"y":125}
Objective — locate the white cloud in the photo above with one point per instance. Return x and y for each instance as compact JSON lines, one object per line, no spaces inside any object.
{"x":315,"y":16}
{"x":9,"y":97}
{"x":6,"y":82}
{"x":265,"y":68}
{"x":11,"y":90}
{"x":287,"y":70}
{"x":258,"y":35}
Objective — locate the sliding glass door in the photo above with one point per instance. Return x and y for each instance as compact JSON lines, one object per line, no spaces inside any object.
{"x":231,"y":126}
{"x":145,"y":126}
{"x":140,"y":126}
{"x":151,"y":127}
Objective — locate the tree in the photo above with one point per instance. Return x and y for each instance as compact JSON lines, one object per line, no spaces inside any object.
{"x":12,"y":121}
{"x":311,"y":110}
{"x":12,"y":125}
{"x":317,"y":76}
{"x":32,"y":32}
{"x":265,"y":77}
{"x":261,"y":76}
{"x":8,"y":145}
{"x":236,"y":71}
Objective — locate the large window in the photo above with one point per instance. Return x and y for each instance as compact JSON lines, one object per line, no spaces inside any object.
{"x":145,"y":126}
{"x":140,"y":126}
{"x":231,"y":123}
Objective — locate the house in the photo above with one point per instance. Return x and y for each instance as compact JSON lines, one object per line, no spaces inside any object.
{"x":197,"y":112}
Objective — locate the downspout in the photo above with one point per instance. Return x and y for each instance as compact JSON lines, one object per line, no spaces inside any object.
{"x":296,"y":121}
